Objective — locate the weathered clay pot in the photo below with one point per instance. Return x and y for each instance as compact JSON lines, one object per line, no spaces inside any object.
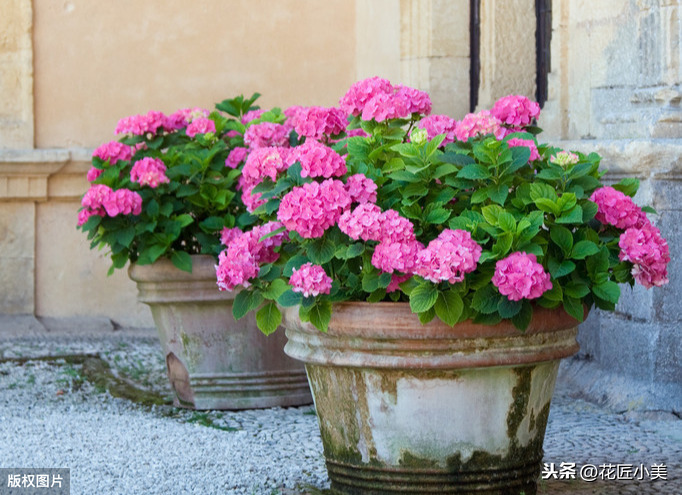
{"x":213,"y":361}
{"x":431,"y":409}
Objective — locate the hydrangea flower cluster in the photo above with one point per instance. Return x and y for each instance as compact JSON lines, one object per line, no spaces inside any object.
{"x":180,"y":118}
{"x":245,"y":253}
{"x":261,"y":163}
{"x":149,"y":172}
{"x":439,"y":124}
{"x":200,"y":126}
{"x":564,"y":158}
{"x":318,"y":160}
{"x":617,"y":209}
{"x":228,"y":235}
{"x":528,"y":143}
{"x":100,"y":199}
{"x":520,"y":276}
{"x":113,"y":151}
{"x":648,"y":251}
{"x":236,"y":156}
{"x":310,"y":280}
{"x":449,"y":257}
{"x":378,"y":99}
{"x":363,"y":222}
{"x":515,"y":111}
{"x":320,"y":123}
{"x":479,"y":124}
{"x":312,"y":208}
{"x":266,"y":134}
{"x":252,"y":115}
{"x":139,"y":125}
{"x":398,"y":246}
{"x":361,"y":189}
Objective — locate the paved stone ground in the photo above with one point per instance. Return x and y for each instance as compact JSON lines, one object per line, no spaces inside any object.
{"x":273,"y":451}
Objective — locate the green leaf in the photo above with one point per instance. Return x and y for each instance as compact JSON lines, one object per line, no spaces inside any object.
{"x":182,"y":260}
{"x":589,"y":210}
{"x":355,"y":249}
{"x":153,"y":207}
{"x":438,"y":216}
{"x":542,"y":190}
{"x":184,"y":220}
{"x":268,"y":318}
{"x":583,"y":249}
{"x":485,"y":300}
{"x":427,"y":316}
{"x":558,"y":270}
{"x":608,"y":291}
{"x":245,"y":301}
{"x":549,"y":174}
{"x":491,"y":214}
{"x":212,"y":224}
{"x":294,"y":262}
{"x":480,"y":195}
{"x":457,"y":158}
{"x":320,"y":315}
{"x":384,"y":280}
{"x":577,"y":290}
{"x":443,"y":170}
{"x":423,"y":297}
{"x":276,"y":288}
{"x":598,"y":263}
{"x":449,"y":307}
{"x":125,"y":236}
{"x":554,"y":294}
{"x":507,"y":308}
{"x":290,"y":298}
{"x":574,"y":215}
{"x":370,"y":282}
{"x":523,"y":318}
{"x":562,"y":237}
{"x":151,"y":254}
{"x":475,"y":171}
{"x":507,"y":222}
{"x":272,"y":234}
{"x":627,"y":186}
{"x":521,"y":156}
{"x":548,"y":206}
{"x":499,"y":193}
{"x":649,"y":209}
{"x":320,"y":251}
{"x":574,"y":307}
{"x":503,"y":244}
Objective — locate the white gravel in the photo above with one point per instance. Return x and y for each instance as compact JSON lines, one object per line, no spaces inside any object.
{"x":51,"y":417}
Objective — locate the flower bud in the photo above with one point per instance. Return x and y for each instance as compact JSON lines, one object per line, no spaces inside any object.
{"x":419,"y":137}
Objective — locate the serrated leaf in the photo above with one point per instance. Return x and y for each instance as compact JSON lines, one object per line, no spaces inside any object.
{"x":289,"y":298}
{"x":370,"y":282}
{"x":574,"y":215}
{"x":294,"y":262}
{"x":562,"y":237}
{"x":608,"y":291}
{"x":507,"y":308}
{"x":443,"y":170}
{"x":485,"y":300}
{"x":542,"y":190}
{"x":276,"y":288}
{"x":475,"y":171}
{"x":577,"y":290}
{"x":583,"y":249}
{"x":427,"y":316}
{"x":627,"y":186}
{"x":449,"y":307}
{"x":404,"y":176}
{"x":558,"y":270}
{"x":244,"y":302}
{"x":438,"y":216}
{"x":574,"y":307}
{"x":507,"y":222}
{"x":548,"y":206}
{"x":320,"y":315}
{"x":491,"y":214}
{"x":320,"y":251}
{"x":423,"y":297}
{"x":182,"y":261}
{"x":268,"y":318}
{"x":457,"y":159}
{"x":499,"y":193}
{"x":523,"y":318}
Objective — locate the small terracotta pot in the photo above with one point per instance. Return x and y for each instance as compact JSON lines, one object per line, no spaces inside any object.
{"x":213,"y":361}
{"x":406,"y":408}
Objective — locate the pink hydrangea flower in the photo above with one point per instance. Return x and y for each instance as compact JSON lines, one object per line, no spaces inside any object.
{"x":528,"y":143}
{"x":617,"y":209}
{"x":200,"y":126}
{"x":241,"y":261}
{"x":648,"y":251}
{"x":312,"y":208}
{"x":113,"y":151}
{"x":357,"y":96}
{"x":228,"y":235}
{"x":140,"y":125}
{"x":122,"y":202}
{"x":400,"y":256}
{"x":416,"y":101}
{"x":385,"y":106}
{"x":149,"y":172}
{"x":292,"y":114}
{"x":266,"y":134}
{"x":449,"y":257}
{"x":439,"y":124}
{"x":93,"y":174}
{"x":396,"y":228}
{"x":95,"y":196}
{"x":516,"y":110}
{"x":320,"y":122}
{"x":479,"y":124}
{"x":265,"y":162}
{"x":318,"y":160}
{"x":361,"y":189}
{"x":396,"y":280}
{"x":236,"y":156}
{"x":520,"y":276}
{"x":356,"y":133}
{"x":252,"y":115}
{"x":85,"y":214}
{"x":310,"y":280}
{"x":364,"y":222}
{"x":180,"y":118}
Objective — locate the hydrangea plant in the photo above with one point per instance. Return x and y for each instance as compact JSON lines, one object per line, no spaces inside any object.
{"x":377,"y":200}
{"x":168,"y":186}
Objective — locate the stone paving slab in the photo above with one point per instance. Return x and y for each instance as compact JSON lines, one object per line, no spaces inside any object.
{"x":53,"y":415}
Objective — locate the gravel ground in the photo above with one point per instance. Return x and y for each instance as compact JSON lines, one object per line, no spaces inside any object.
{"x":52,"y":414}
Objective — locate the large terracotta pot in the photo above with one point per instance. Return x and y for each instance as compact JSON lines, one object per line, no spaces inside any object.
{"x":213,"y":361}
{"x":406,"y":408}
